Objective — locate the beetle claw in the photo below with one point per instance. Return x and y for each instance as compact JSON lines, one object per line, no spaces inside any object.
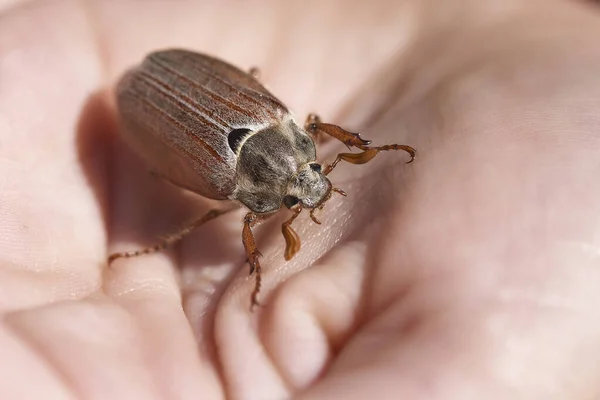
{"x":313,"y":217}
{"x":253,"y":261}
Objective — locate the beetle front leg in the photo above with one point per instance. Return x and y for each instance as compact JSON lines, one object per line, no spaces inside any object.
{"x":368,"y":154}
{"x":350,"y":139}
{"x":317,"y":128}
{"x":170,"y":240}
{"x":252,"y":252}
{"x":292,"y":240}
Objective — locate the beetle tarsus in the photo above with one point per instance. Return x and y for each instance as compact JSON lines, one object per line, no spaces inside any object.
{"x":128,"y":254}
{"x":256,"y":270}
{"x":170,"y":240}
{"x":254,"y":298}
{"x":253,"y":261}
{"x":411,"y":151}
{"x":317,"y":128}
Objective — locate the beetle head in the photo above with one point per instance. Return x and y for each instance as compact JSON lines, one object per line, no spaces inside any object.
{"x":308,"y":186}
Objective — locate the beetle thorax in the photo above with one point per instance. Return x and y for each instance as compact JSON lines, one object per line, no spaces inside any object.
{"x":276,"y":166}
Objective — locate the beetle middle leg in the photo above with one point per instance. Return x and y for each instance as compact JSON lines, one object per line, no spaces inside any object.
{"x":250,"y":220}
{"x":171,"y":239}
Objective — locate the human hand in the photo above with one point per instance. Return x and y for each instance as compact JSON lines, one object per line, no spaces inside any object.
{"x":470,"y":273}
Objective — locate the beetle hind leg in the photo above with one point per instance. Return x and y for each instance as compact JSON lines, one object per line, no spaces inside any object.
{"x":136,"y":253}
{"x":170,"y":240}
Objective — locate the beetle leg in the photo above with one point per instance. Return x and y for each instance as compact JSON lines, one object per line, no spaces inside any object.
{"x":292,"y":240}
{"x":311,"y":118}
{"x":252,"y":252}
{"x":312,"y":121}
{"x":254,"y":72}
{"x":368,"y":154}
{"x":350,"y":139}
{"x":317,"y":128}
{"x":212,"y":214}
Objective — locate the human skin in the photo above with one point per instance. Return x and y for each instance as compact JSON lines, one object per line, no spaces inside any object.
{"x":471,"y":273}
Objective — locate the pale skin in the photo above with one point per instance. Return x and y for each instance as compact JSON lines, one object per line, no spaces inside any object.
{"x":471,"y":273}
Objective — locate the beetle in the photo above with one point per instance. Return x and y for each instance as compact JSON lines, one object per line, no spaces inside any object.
{"x":211,"y":128}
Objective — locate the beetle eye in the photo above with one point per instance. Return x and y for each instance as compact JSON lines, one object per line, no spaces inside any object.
{"x":236,"y":137}
{"x":290,"y":201}
{"x":315,"y":167}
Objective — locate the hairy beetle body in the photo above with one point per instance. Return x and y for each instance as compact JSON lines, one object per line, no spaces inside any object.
{"x":211,"y":128}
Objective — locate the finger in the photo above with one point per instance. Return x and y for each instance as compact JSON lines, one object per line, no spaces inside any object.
{"x":53,"y":237}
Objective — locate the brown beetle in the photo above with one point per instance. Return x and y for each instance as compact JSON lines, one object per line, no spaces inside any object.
{"x":208,"y":127}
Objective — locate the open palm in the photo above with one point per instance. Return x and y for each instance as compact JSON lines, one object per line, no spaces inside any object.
{"x":471,"y":273}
